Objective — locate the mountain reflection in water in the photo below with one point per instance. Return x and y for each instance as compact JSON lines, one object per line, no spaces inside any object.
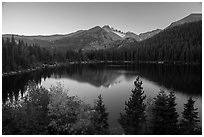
{"x":114,"y":81}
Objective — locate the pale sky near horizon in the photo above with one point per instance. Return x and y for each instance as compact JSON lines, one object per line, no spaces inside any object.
{"x":65,"y":17}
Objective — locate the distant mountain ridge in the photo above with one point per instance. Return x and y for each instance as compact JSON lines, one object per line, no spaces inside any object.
{"x":97,"y":37}
{"x":93,"y":39}
{"x":190,"y":18}
{"x":129,"y":34}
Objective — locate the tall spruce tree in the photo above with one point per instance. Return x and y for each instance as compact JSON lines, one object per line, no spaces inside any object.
{"x":172,"y":121}
{"x":189,"y":122}
{"x":165,"y":116}
{"x":160,"y":110}
{"x":134,"y":118}
{"x":99,"y":117}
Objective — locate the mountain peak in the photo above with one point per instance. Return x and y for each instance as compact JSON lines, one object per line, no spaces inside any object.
{"x":95,"y":29}
{"x":129,"y":32}
{"x":106,"y":26}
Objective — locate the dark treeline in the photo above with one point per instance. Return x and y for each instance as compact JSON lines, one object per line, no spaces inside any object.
{"x":17,"y":56}
{"x":178,"y":44}
{"x":55,"y":112}
{"x":20,"y":55}
{"x":164,"y":119}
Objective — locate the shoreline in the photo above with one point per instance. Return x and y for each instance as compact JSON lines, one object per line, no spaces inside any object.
{"x":43,"y":66}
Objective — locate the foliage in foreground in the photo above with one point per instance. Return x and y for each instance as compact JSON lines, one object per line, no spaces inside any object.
{"x":51,"y":112}
{"x":164,"y":118}
{"x":189,"y":122}
{"x":29,"y":114}
{"x":134,"y":118}
{"x":68,"y":114}
{"x":99,"y":117}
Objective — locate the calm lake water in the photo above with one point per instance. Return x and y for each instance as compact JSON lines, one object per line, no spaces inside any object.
{"x":114,"y":82}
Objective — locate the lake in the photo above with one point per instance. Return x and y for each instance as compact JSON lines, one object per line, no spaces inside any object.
{"x":114,"y":81}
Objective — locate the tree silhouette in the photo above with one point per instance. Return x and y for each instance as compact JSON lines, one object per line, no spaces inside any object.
{"x":134,"y":118}
{"x":99,"y":117}
{"x":172,"y":121}
{"x":165,"y":116}
{"x":189,"y":122}
{"x":160,"y":113}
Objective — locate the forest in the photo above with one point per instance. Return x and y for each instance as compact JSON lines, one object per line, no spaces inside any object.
{"x":56,"y":112}
{"x":180,"y":44}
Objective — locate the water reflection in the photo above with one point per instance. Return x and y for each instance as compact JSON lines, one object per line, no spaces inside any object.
{"x":186,"y":79}
{"x":14,"y":86}
{"x":114,"y":82}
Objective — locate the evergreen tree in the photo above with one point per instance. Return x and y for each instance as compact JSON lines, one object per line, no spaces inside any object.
{"x":134,"y":118}
{"x":172,"y":123}
{"x":165,"y":116}
{"x":189,"y":122}
{"x":160,"y":115}
{"x":22,"y":56}
{"x":99,"y":118}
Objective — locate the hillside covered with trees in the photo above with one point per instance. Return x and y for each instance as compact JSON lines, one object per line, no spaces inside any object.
{"x":179,"y":44}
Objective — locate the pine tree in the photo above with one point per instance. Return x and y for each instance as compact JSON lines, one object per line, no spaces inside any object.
{"x":189,"y":122}
{"x":99,"y":118}
{"x":172,"y":123}
{"x":134,"y":118}
{"x":160,"y":111}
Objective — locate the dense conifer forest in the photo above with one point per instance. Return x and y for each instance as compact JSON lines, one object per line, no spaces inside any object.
{"x":180,"y":44}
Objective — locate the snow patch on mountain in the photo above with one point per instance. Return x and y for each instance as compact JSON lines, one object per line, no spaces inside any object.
{"x":119,"y":34}
{"x":111,"y":29}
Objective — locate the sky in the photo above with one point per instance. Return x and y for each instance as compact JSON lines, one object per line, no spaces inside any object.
{"x":65,"y":17}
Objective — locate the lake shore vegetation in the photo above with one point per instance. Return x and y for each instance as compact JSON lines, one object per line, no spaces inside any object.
{"x":54,"y":111}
